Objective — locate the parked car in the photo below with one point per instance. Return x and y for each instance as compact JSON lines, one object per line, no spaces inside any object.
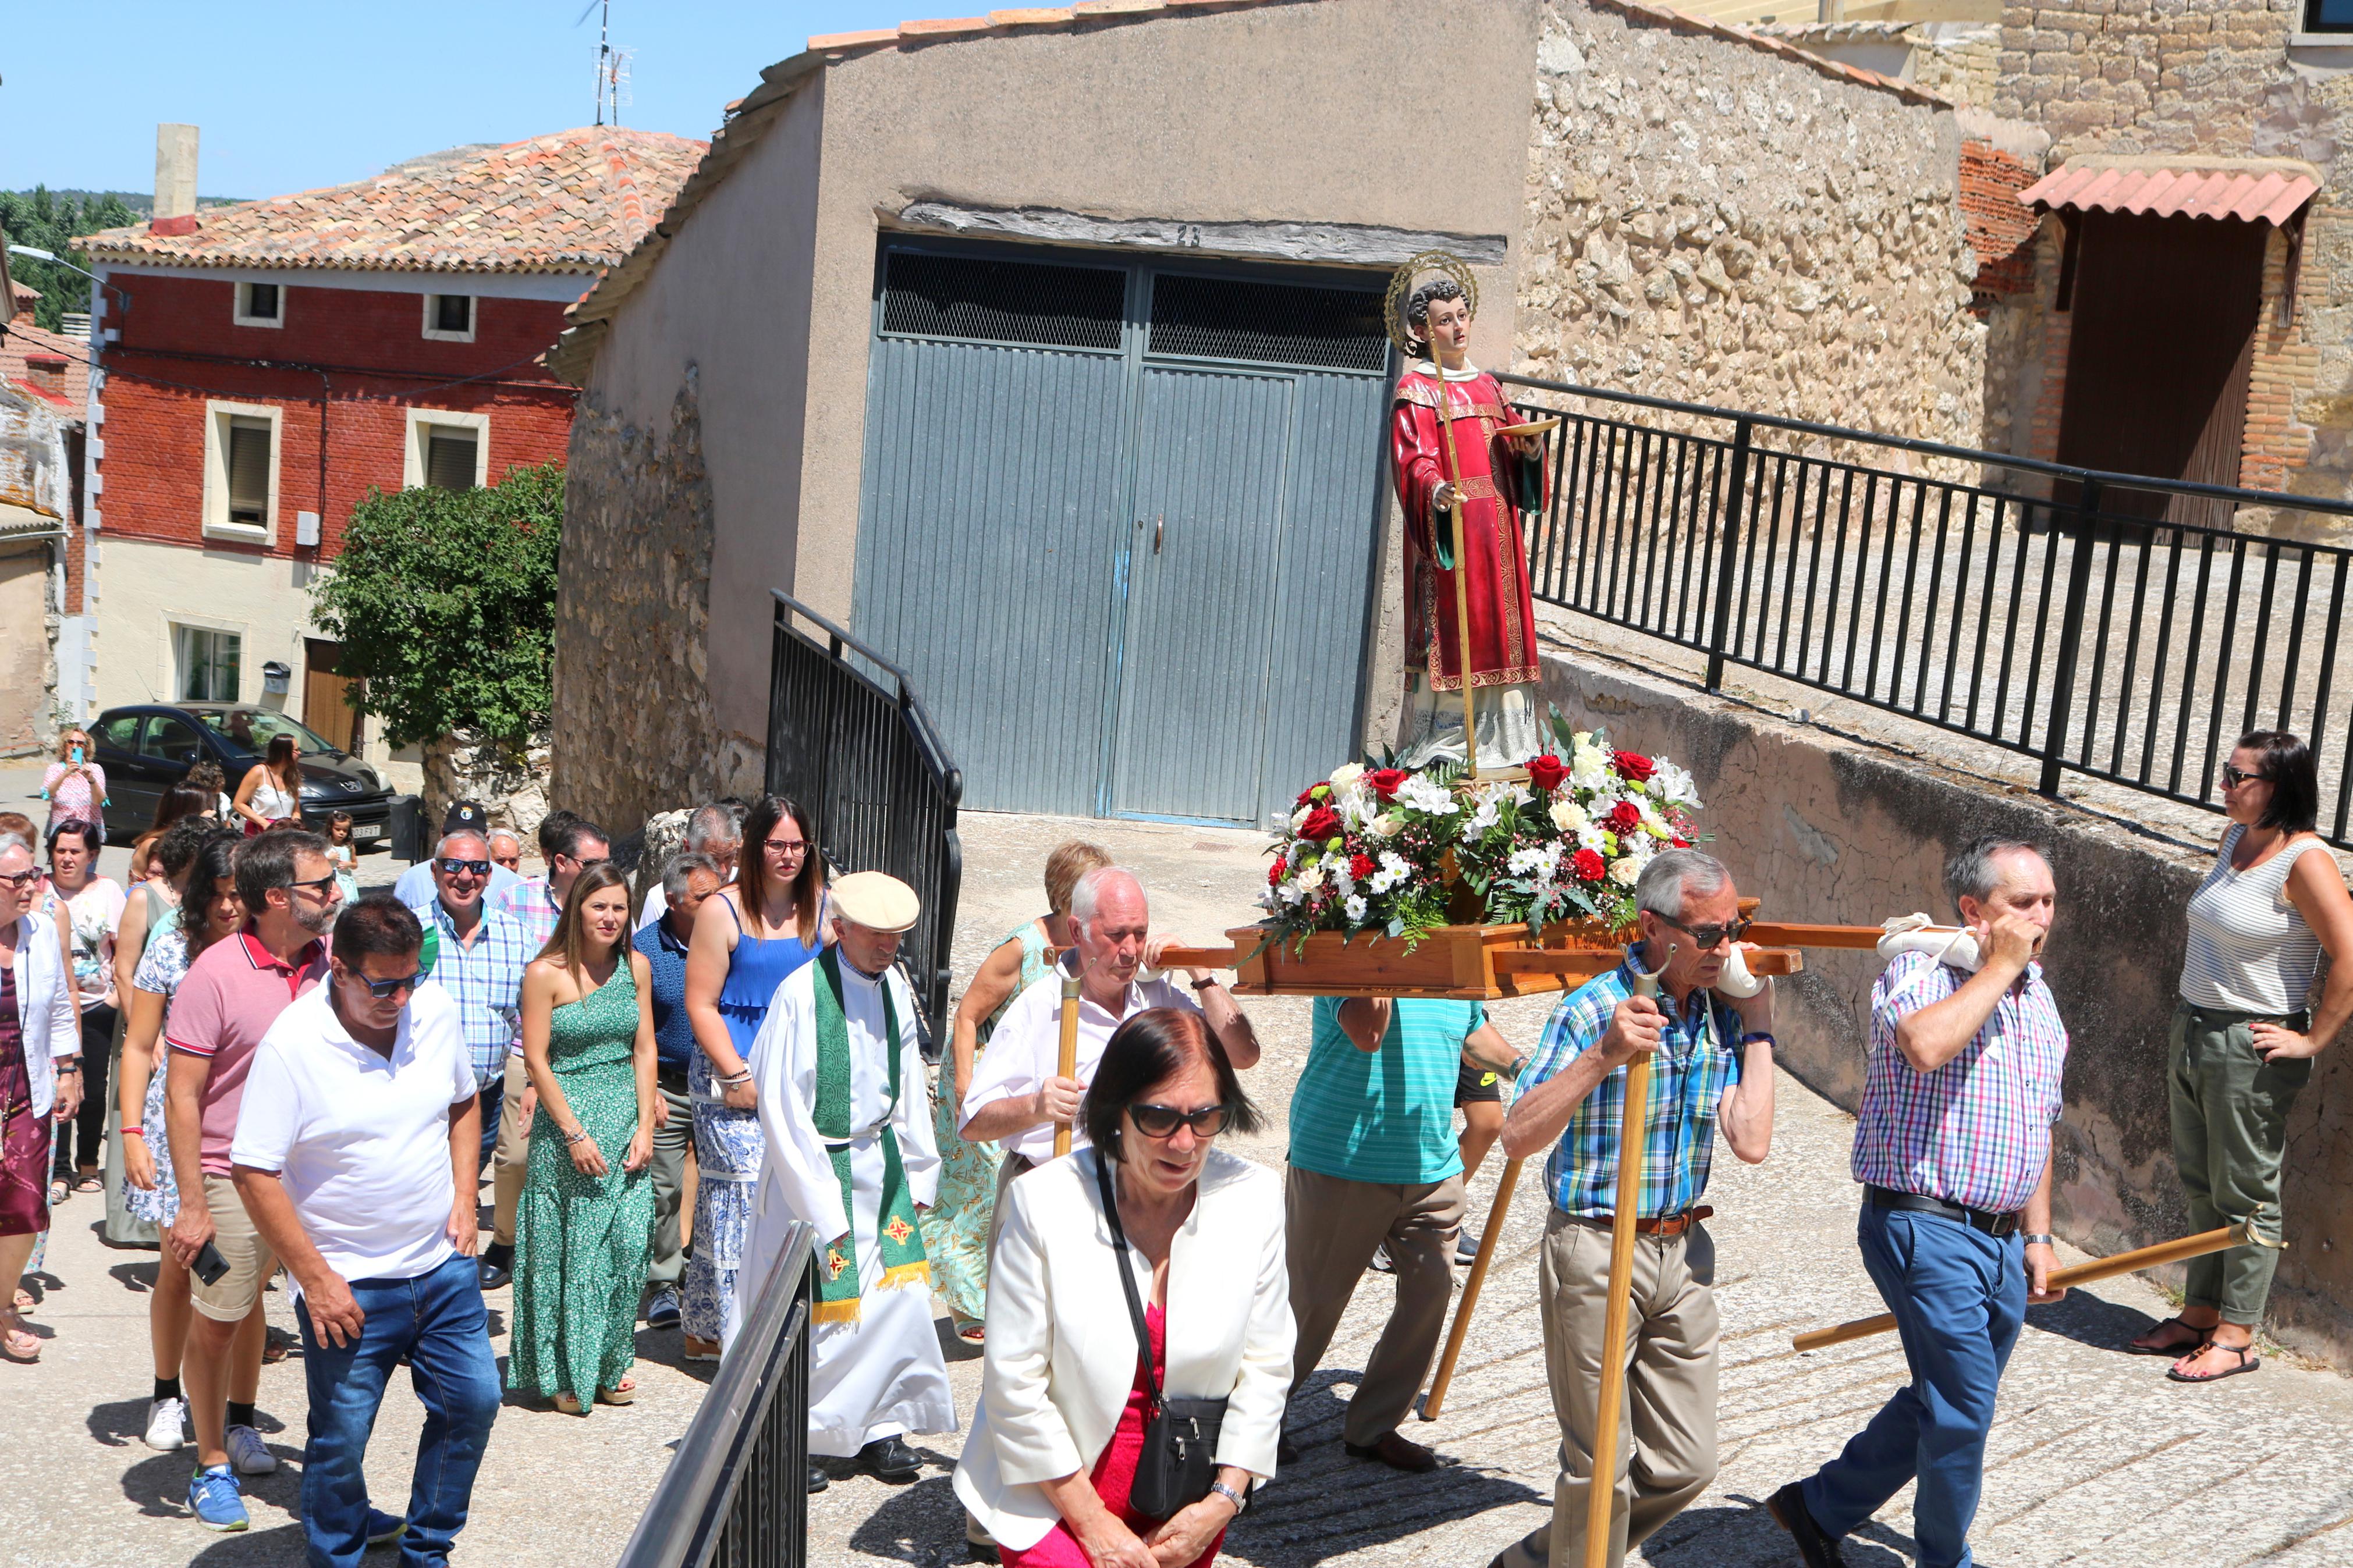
{"x":147,"y":749}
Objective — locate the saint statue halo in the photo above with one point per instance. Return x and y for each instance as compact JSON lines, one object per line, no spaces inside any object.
{"x":1396,"y":309}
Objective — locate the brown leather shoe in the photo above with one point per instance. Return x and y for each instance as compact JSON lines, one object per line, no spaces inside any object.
{"x":1397,"y":1452}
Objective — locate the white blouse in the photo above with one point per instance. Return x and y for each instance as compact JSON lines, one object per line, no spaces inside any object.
{"x":46,"y":1012}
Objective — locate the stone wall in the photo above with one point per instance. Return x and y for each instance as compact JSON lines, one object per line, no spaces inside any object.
{"x":1830,"y":828}
{"x":1718,"y":221}
{"x":2221,"y":79}
{"x":632,"y":622}
{"x":507,"y":781}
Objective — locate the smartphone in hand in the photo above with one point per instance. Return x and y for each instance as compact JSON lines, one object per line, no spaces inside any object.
{"x":209,"y":1265}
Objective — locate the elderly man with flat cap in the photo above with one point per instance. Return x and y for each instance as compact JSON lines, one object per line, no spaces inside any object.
{"x":847,"y":1120}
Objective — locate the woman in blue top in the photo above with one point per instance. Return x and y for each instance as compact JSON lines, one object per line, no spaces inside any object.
{"x":747,"y":939}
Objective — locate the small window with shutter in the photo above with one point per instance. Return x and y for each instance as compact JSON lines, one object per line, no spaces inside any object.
{"x":449,"y":457}
{"x":449,"y":318}
{"x":260,"y":305}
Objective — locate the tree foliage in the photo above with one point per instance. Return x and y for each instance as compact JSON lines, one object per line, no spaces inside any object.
{"x":444,"y":604}
{"x":51,"y":222}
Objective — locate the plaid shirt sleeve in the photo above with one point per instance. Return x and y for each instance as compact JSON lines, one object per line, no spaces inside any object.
{"x":1574,"y":1025}
{"x":1910,"y":982}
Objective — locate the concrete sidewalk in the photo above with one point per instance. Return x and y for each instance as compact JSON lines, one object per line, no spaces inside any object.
{"x":2097,"y":1458}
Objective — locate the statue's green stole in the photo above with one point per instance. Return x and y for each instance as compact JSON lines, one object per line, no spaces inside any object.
{"x":902,"y":1243}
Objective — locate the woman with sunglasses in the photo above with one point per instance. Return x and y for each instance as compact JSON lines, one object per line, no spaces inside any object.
{"x":2244,"y":1038}
{"x":90,"y":907}
{"x":747,"y":939}
{"x":272,"y":793}
{"x":1154,"y":1227}
{"x":40,"y":1075}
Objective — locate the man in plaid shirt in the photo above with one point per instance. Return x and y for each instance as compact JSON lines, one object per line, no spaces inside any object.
{"x":1953,"y":1147}
{"x":1711,"y":1067}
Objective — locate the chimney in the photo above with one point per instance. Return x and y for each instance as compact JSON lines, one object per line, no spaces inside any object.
{"x":47,"y":372}
{"x":175,"y":180}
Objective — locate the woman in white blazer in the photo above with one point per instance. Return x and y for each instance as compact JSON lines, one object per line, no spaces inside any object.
{"x":1053,"y":1447}
{"x":40,"y":1077}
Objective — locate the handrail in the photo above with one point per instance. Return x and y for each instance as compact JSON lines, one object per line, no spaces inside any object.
{"x":918,"y":718}
{"x":693,"y":1502}
{"x":1940,"y":449}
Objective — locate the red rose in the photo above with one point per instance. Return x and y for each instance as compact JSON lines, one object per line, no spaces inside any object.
{"x":1322,"y":823}
{"x":1309,"y":795}
{"x":1361,"y":866}
{"x":1274,"y":874}
{"x":1587,"y":865}
{"x":1636,"y":766}
{"x":1546,"y":771}
{"x":1625,"y":817}
{"x":1387,"y":782}
{"x":1683,"y":843}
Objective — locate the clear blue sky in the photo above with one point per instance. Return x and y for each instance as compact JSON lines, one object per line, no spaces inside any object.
{"x":290,"y":97}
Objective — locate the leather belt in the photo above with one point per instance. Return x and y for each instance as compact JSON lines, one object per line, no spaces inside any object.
{"x":2294,"y":1023}
{"x":1657,"y":1224}
{"x":1994,"y":1224}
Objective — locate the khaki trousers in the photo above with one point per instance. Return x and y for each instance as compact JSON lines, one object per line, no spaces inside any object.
{"x":512,"y":1161}
{"x":1332,"y":1225}
{"x":1666,"y":1434}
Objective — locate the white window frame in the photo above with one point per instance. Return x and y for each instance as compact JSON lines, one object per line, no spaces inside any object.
{"x":473,"y":319}
{"x":413,"y":450}
{"x":216,"y":524}
{"x":178,"y":623}
{"x":243,"y":309}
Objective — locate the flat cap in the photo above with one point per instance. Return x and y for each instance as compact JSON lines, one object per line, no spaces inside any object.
{"x":875,"y":899}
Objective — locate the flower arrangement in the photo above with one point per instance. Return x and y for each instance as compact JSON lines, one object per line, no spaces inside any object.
{"x":1383,"y":850}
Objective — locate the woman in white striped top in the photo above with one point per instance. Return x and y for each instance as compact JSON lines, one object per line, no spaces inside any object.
{"x":2243,"y":1039}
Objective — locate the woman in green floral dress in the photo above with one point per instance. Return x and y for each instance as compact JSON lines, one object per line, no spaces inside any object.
{"x":583,"y":1225}
{"x":955,"y":1227}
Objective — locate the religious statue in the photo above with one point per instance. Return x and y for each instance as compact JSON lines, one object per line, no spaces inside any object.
{"x":1465,"y":467}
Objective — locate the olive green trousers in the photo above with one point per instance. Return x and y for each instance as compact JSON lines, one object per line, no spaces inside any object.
{"x":2230,"y":1135}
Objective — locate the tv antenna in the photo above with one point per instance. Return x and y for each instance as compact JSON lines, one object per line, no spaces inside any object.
{"x":612,"y":63}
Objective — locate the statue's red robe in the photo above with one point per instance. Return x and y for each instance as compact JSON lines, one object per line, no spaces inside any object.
{"x":1498,"y":484}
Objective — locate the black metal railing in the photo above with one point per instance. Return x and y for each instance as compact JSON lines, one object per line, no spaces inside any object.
{"x":2107,"y":624}
{"x":858,"y":751}
{"x":736,"y":1492}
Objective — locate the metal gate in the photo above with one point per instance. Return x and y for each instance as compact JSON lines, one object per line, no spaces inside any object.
{"x":1118,"y":522}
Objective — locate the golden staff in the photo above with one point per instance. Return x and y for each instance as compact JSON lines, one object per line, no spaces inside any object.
{"x":1066,"y":1063}
{"x":1602,"y":1484}
{"x":2133,"y":1262}
{"x":1497,"y":1212}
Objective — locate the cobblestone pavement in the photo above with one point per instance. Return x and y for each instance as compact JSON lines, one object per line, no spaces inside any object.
{"x":2096,"y":1459}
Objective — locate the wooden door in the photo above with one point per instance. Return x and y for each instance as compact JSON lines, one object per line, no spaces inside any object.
{"x":2166,"y":309}
{"x":327,"y":705}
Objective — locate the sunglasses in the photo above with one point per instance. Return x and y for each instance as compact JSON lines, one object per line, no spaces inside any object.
{"x":381,"y":989}
{"x":21,"y":878}
{"x":1162,"y":1120}
{"x":316,"y":884}
{"x":1707,"y":936}
{"x":464,"y":867}
{"x":2232,"y":778}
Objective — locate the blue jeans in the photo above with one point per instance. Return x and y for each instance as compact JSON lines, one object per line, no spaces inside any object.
{"x":1959,"y":1299}
{"x":438,"y":1322}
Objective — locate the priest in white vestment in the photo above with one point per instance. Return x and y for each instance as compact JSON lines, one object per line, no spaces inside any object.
{"x":846,"y":1118}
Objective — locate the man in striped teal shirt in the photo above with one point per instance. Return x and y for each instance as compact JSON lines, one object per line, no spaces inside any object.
{"x":1711,"y":1068}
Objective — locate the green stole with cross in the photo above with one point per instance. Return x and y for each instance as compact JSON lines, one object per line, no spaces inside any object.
{"x":903,"y":1263}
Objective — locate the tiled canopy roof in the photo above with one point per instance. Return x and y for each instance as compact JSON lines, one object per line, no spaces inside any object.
{"x":575,"y":200}
{"x":2239,"y":189}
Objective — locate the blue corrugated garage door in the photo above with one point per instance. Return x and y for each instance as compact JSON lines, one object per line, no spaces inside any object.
{"x":1118,"y":523}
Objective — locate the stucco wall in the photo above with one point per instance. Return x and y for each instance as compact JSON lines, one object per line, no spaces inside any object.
{"x":1832,"y":830}
{"x":1707,"y":221}
{"x":27,"y":673}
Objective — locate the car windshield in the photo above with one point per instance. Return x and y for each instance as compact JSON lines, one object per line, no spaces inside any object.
{"x":247,"y":731}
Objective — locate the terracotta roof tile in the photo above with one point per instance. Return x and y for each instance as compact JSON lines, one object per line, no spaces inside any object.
{"x":25,"y":341}
{"x":575,"y":200}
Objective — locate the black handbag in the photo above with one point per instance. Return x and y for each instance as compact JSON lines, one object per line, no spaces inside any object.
{"x":1179,"y":1462}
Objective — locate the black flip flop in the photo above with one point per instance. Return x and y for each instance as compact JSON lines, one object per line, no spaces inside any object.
{"x":2174,"y":1351}
{"x":2248,"y":1362}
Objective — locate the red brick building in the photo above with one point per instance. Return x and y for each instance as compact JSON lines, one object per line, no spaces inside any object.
{"x":263,"y":366}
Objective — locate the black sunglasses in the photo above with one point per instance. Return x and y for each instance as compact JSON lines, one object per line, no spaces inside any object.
{"x":2233,"y":777}
{"x":460,"y":868}
{"x":1162,"y":1120}
{"x":21,"y":878}
{"x":380,"y":989}
{"x":1707,"y":936}
{"x":319,"y":882}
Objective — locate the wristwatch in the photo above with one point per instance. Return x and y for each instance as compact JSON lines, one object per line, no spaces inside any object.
{"x":1753,"y":1036}
{"x":1204,"y":986}
{"x":1240,"y":1500}
{"x":2037,"y":1239}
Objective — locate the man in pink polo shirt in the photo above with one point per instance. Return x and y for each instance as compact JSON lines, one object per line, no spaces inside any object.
{"x":232,"y":994}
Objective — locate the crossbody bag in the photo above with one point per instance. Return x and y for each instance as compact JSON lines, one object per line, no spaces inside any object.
{"x":1179,"y":1462}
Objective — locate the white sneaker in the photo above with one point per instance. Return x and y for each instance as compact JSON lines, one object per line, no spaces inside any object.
{"x":248,"y":1454}
{"x":167,"y":1425}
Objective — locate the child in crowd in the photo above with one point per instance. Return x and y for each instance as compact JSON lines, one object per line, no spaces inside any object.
{"x":341,"y":856}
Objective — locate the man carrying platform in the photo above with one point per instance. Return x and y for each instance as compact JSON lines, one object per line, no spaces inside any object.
{"x":1017,"y":1096}
{"x":1953,"y":1147}
{"x":1712,"y":1066}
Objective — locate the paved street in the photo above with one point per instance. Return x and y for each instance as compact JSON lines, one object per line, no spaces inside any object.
{"x":2097,"y":1461}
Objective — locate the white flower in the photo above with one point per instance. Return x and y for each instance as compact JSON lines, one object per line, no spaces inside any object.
{"x":1523,"y":861}
{"x":1420,"y":794}
{"x":1310,"y":879}
{"x":1625,"y":872}
{"x":1299,"y":818}
{"x":1292,"y":892}
{"x":1389,"y":825}
{"x":1394,"y":870}
{"x":1355,"y":907}
{"x":1485,"y":817}
{"x":1674,"y":784}
{"x":1589,"y":770}
{"x":1596,"y":839}
{"x":1568,"y":815}
{"x":1347,"y":775}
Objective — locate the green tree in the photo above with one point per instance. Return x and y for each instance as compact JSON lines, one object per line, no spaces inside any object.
{"x":444,"y":604}
{"x":49,"y":222}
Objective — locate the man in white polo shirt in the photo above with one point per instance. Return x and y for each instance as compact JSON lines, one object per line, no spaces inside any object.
{"x":355,"y":1153}
{"x":1015,"y":1095}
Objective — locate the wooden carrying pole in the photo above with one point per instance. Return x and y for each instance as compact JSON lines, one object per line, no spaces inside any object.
{"x":2133,"y":1262}
{"x":1461,"y":564}
{"x":1067,"y":1063}
{"x":1601,"y":1489}
{"x":1497,"y":1213}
